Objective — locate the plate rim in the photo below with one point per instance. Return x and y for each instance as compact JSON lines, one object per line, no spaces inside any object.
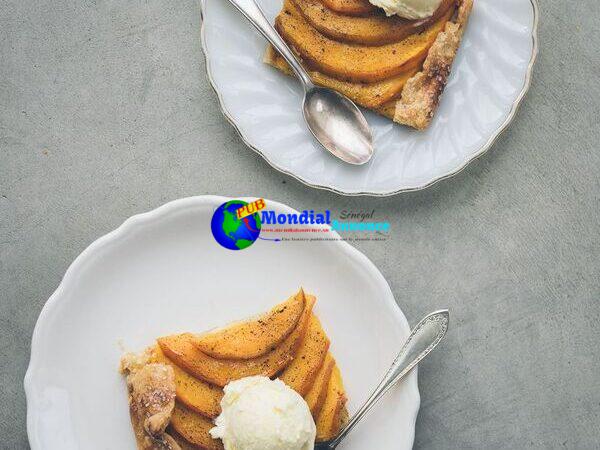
{"x":386,"y":193}
{"x":148,"y":217}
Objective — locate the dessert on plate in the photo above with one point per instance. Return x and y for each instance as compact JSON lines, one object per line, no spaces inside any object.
{"x":269,"y":382}
{"x":391,"y":56}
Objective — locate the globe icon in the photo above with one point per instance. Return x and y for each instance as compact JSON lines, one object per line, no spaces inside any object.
{"x":231,"y":232}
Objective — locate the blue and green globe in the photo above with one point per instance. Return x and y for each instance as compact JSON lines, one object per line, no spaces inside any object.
{"x":231,"y":232}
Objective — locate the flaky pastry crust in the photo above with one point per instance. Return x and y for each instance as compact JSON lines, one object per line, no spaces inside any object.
{"x":421,"y":94}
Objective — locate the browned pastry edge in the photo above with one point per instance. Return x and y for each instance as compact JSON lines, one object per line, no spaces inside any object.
{"x":421,"y":94}
{"x":151,"y":389}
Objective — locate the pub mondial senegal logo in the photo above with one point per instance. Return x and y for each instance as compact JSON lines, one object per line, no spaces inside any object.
{"x":236,"y":224}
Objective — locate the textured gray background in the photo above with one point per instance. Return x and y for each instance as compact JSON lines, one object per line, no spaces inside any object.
{"x":106,"y":112}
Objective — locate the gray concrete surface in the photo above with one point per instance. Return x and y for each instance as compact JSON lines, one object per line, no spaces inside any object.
{"x":105,"y":112}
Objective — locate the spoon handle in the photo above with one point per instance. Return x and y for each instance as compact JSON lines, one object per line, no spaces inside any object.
{"x":252,"y":12}
{"x":423,"y":339}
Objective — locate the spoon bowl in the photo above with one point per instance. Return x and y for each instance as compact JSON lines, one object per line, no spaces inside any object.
{"x":337,"y":123}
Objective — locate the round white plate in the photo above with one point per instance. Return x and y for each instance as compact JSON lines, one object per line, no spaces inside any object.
{"x":162,"y":273}
{"x":489,"y":79}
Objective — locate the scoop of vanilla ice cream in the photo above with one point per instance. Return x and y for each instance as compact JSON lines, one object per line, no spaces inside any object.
{"x":262,"y":414}
{"x":409,"y":9}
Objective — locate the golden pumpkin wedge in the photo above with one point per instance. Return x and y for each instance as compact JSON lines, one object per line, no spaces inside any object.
{"x":329,"y":420}
{"x":376,"y":29}
{"x":369,"y":95}
{"x":194,"y":393}
{"x":344,"y":418}
{"x":194,"y":428}
{"x":302,"y":371}
{"x":182,"y":350}
{"x":355,"y":62}
{"x":318,"y":391}
{"x":256,"y":337}
{"x":350,"y":7}
{"x":185,"y":445}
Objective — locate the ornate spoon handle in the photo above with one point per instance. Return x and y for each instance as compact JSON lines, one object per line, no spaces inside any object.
{"x":423,"y":339}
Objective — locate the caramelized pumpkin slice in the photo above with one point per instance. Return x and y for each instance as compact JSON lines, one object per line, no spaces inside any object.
{"x":196,"y":394}
{"x":254,"y":338}
{"x":185,"y":445}
{"x":181,"y":349}
{"x":318,"y":391}
{"x":329,"y":420}
{"x":302,"y":371}
{"x":350,"y":7}
{"x":376,"y":29}
{"x":344,"y":418}
{"x":355,"y":62}
{"x":194,"y":429}
{"x":369,"y":95}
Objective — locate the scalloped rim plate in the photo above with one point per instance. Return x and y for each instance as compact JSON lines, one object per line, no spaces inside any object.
{"x":167,"y":265}
{"x":405,"y":160}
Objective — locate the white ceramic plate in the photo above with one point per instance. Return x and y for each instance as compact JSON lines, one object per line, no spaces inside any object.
{"x":161,"y":273}
{"x":490,"y":77}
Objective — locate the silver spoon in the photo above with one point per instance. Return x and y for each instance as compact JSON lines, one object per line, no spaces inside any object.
{"x":332,"y":118}
{"x":424,"y":338}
